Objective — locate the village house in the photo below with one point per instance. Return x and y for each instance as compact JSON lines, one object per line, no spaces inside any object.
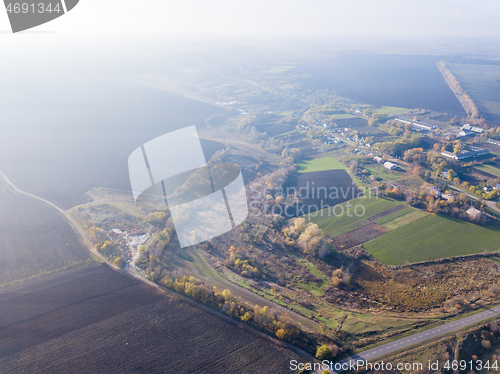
{"x":444,"y":174}
{"x":474,"y":213}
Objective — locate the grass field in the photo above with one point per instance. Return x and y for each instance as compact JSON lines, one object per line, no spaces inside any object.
{"x":392,"y":110}
{"x":489,"y":169}
{"x":394,"y":216}
{"x":382,"y":173}
{"x":319,"y":164}
{"x":431,"y":238}
{"x":327,"y":163}
{"x":358,"y":323}
{"x":410,"y":182}
{"x":311,"y":287}
{"x":334,"y":223}
{"x":404,"y":219}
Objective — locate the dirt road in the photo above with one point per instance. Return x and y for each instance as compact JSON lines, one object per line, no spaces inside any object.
{"x":133,"y":273}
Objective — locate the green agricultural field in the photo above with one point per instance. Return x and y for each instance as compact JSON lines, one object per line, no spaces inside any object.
{"x":334,"y":223}
{"x":489,"y":169}
{"x":404,"y":219}
{"x":431,"y":238}
{"x":411,"y":182}
{"x":312,"y":287}
{"x":371,"y":130}
{"x":319,"y":164}
{"x":392,"y":110}
{"x":395,"y":215}
{"x":382,"y":173}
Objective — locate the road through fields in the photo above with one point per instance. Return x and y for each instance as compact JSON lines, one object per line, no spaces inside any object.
{"x":408,"y":341}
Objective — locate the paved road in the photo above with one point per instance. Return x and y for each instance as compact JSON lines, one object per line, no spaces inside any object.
{"x":381,"y":350}
{"x":489,"y":203}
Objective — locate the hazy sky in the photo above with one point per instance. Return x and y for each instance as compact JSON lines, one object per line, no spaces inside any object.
{"x":280,"y":18}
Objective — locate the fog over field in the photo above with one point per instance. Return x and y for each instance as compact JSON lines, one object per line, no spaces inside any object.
{"x":366,"y":218}
{"x":66,"y":130}
{"x":390,"y":80}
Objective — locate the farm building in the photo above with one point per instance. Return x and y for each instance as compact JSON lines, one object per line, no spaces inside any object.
{"x":379,"y":160}
{"x":423,"y":126}
{"x":469,"y":127}
{"x":390,"y":165}
{"x":450,"y":155}
{"x":472,"y":152}
{"x":402,"y":120}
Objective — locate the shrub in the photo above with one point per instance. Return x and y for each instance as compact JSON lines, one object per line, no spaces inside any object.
{"x":336,"y":279}
{"x":324,"y":353}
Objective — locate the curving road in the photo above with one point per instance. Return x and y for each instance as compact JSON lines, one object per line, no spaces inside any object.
{"x":66,"y":216}
{"x":408,"y":341}
{"x":132,"y":272}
